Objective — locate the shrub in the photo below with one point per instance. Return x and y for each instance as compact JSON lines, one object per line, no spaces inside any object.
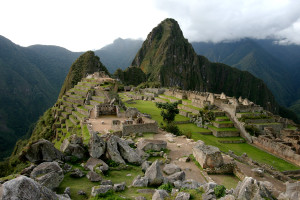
{"x":252,"y":130}
{"x":112,"y":163}
{"x":168,"y":187}
{"x":219,"y":191}
{"x":187,"y":133}
{"x":173,"y":128}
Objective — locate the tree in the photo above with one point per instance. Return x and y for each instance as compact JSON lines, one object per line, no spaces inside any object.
{"x":206,"y":115}
{"x":169,"y":111}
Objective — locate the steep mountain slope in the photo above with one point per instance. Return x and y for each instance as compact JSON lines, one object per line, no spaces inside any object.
{"x":166,"y":56}
{"x":25,"y":92}
{"x":119,"y":54}
{"x":87,"y":63}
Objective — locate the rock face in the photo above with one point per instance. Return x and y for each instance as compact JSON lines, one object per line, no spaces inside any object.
{"x":154,"y":174}
{"x":42,"y":151}
{"x":251,"y":189}
{"x":178,"y":176}
{"x":207,"y":156}
{"x":93,"y":163}
{"x":27,"y":189}
{"x":73,"y":146}
{"x":171,"y":169}
{"x":160,"y":195}
{"x":128,"y":153}
{"x":292,"y":191}
{"x":154,"y":145}
{"x":97,"y":146}
{"x":48,"y":174}
{"x":112,"y":150}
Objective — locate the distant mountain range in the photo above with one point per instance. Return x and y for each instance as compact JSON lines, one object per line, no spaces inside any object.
{"x":31,"y":77}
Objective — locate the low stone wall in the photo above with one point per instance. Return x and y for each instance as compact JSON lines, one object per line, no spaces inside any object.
{"x":75,"y":101}
{"x":183,"y":107}
{"x":82,"y":111}
{"x":82,"y":93}
{"x":139,"y":128}
{"x":276,"y":127}
{"x":183,"y":113}
{"x":98,"y":98}
{"x":259,"y":121}
{"x":223,"y":125}
{"x":226,"y":168}
{"x":279,"y":149}
{"x":238,"y":173}
{"x":225,"y":133}
{"x":232,"y":141}
{"x":149,"y":94}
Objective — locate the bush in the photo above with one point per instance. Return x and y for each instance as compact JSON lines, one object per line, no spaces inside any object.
{"x":187,"y":133}
{"x":112,"y":163}
{"x":252,"y":130}
{"x":172,"y":128}
{"x":220,"y":191}
{"x":168,"y":187}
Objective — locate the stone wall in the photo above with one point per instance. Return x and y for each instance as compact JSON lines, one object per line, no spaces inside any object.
{"x":282,"y":150}
{"x":140,"y":128}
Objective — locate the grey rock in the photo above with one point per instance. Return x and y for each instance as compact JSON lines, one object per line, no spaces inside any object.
{"x":67,"y":168}
{"x":70,"y":149}
{"x":26,"y":188}
{"x":292,"y":191}
{"x":140,"y":198}
{"x":107,"y":182}
{"x":74,"y":139}
{"x":183,"y":196}
{"x":48,"y":174}
{"x":258,"y":172}
{"x":154,"y":145}
{"x":27,"y":171}
{"x":154,"y":174}
{"x":146,"y":191}
{"x":250,"y":188}
{"x":209,"y":186}
{"x":97,"y":146}
{"x":77,"y":173}
{"x":228,"y":197}
{"x":160,"y":195}
{"x":207,"y":156}
{"x":81,"y":192}
{"x":101,"y":189}
{"x":67,"y":191}
{"x":171,"y":169}
{"x":128,"y":153}
{"x":178,"y":184}
{"x":131,"y":112}
{"x":206,"y":196}
{"x":140,"y":182}
{"x":119,"y":187}
{"x":93,"y":176}
{"x":178,"y":176}
{"x":42,"y":151}
{"x":94,"y":164}
{"x":190,"y":184}
{"x":174,"y":191}
{"x":112,"y":150}
{"x":146,"y":165}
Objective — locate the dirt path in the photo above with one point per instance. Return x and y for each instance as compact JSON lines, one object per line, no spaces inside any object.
{"x":181,"y":147}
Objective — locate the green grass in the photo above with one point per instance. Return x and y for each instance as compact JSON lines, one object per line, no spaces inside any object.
{"x":223,"y":117}
{"x":79,"y":114}
{"x":58,"y":143}
{"x":170,"y":97}
{"x":223,"y":122}
{"x":290,"y":127}
{"x":222,"y":129}
{"x":83,"y":108}
{"x":229,"y":181}
{"x":193,"y":128}
{"x":192,"y":107}
{"x":267,"y":123}
{"x":186,"y":100}
{"x":69,"y":123}
{"x":85,"y":134}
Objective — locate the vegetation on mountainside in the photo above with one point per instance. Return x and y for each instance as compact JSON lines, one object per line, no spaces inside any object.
{"x":87,"y":63}
{"x":130,"y":76}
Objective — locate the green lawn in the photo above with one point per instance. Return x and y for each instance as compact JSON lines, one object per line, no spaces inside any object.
{"x":222,"y":129}
{"x":223,"y":117}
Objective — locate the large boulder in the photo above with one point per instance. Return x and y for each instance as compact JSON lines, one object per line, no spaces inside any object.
{"x":140,"y":182}
{"x":154,"y":145}
{"x":112,"y":150}
{"x":178,"y":176}
{"x":101,"y":189}
{"x":128,"y":153}
{"x":42,"y":151}
{"x":97,"y":146}
{"x":94,"y":164}
{"x":25,"y":188}
{"x":160,"y":195}
{"x":183,"y":196}
{"x":118,"y":187}
{"x":154,"y":174}
{"x":48,"y":174}
{"x":250,"y":188}
{"x":207,"y":156}
{"x":171,"y":169}
{"x":72,"y":149}
{"x":93,"y":176}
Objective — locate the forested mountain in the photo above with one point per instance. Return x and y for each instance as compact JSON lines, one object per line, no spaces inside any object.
{"x":278,"y":65}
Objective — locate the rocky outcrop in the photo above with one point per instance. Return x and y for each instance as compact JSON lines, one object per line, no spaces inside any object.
{"x":73,"y":146}
{"x":97,"y":146}
{"x":118,"y":187}
{"x":207,"y":156}
{"x":154,"y":145}
{"x":25,"y":188}
{"x":292,"y":191}
{"x":94,"y":164}
{"x":42,"y":151}
{"x":77,"y":173}
{"x":250,"y":189}
{"x":112,"y":150}
{"x":48,"y":174}
{"x":154,"y":174}
{"x":178,"y":176}
{"x":140,"y":181}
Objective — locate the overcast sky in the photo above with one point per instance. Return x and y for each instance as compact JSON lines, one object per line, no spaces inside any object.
{"x":91,"y":24}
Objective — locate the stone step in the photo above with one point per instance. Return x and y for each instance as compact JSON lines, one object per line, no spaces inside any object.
{"x":221,"y":119}
{"x":239,"y":115}
{"x":74,"y":120}
{"x":68,"y":109}
{"x":98,"y":98}
{"x":65,"y":114}
{"x":81,"y":87}
{"x":191,"y":109}
{"x":75,"y":101}
{"x":224,"y":132}
{"x":62,"y":120}
{"x":82,"y":110}
{"x":219,"y":113}
{"x":79,"y":92}
{"x":79,"y":116}
{"x":94,"y":103}
{"x":69,"y":125}
{"x":89,"y":107}
{"x":160,"y":100}
{"x":75,"y":96}
{"x":223,"y":124}
{"x":67,"y":103}
{"x":184,"y":113}
{"x":57,"y":125}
